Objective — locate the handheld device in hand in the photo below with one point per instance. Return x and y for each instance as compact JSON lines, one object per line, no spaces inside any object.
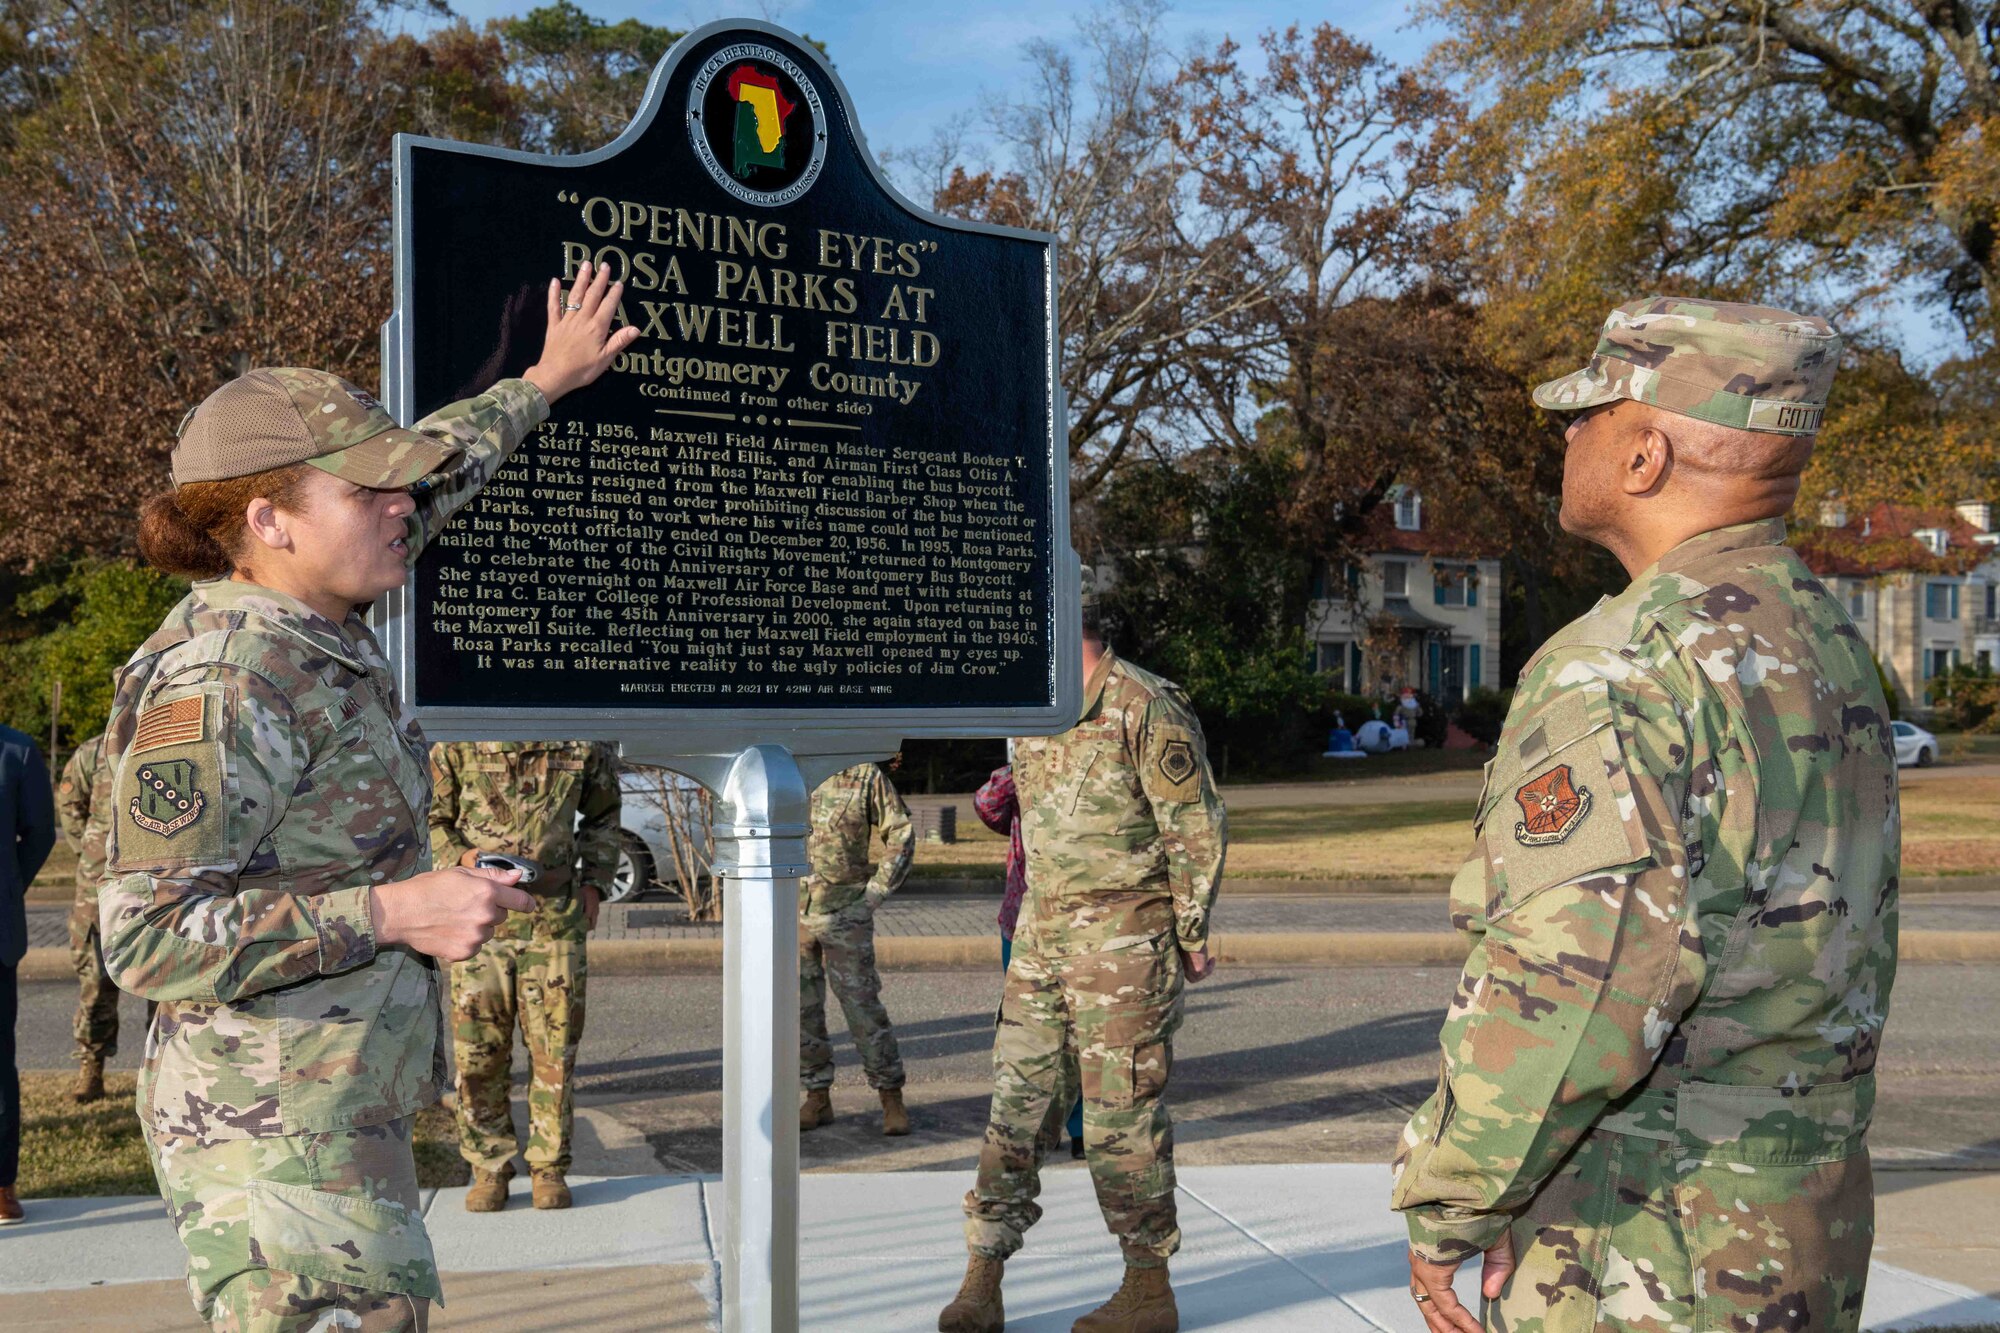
{"x":530,"y":872}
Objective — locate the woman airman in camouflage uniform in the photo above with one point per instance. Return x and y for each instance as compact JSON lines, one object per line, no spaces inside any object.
{"x":269,"y":866}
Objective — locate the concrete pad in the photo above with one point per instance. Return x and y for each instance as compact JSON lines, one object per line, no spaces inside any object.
{"x":1943,"y":1224}
{"x":886,"y":1253}
{"x":627,"y":1221}
{"x":670,"y":1298}
{"x":121,"y":1307}
{"x":77,"y":1242}
{"x":1333,"y":1222}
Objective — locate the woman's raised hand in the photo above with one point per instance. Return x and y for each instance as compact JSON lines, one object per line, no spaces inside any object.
{"x":580,"y":345}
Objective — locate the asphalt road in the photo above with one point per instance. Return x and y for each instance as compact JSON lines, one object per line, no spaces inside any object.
{"x":1272,"y":1065}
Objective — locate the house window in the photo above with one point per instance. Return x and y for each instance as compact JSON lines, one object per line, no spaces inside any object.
{"x":1936,"y":540}
{"x":1857,"y":599}
{"x":1395,"y":579}
{"x":1938,"y":661}
{"x":1455,"y":585}
{"x":1409,"y":512}
{"x":1983,"y":660}
{"x":1992,"y":597}
{"x":1333,"y":663}
{"x":1941,"y":601}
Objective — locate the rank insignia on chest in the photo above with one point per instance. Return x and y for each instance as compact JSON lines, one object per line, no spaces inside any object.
{"x":168,"y":800}
{"x":1552,"y":806}
{"x":1177,"y":761}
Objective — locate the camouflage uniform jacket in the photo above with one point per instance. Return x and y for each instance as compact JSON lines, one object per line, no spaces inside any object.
{"x":555,"y":802}
{"x":1123,"y":829}
{"x":83,"y":803}
{"x":264,"y":786}
{"x":846,"y":809}
{"x":1683,"y":899}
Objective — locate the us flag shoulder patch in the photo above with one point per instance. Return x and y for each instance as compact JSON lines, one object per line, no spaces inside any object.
{"x":180,"y":722}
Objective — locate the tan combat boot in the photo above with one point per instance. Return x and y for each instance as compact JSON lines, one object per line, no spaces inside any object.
{"x":10,"y":1207}
{"x":895,"y":1118}
{"x":816,"y":1109}
{"x":89,"y":1084}
{"x":551,"y":1190}
{"x":1144,"y":1304}
{"x":976,"y":1308}
{"x":489,"y":1190}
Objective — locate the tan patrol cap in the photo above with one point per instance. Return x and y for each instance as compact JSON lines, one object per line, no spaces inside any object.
{"x":277,"y":416}
{"x":1747,"y":366}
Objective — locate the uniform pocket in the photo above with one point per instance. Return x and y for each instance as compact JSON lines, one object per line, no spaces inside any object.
{"x":367,"y":1243}
{"x":1134,"y":1051}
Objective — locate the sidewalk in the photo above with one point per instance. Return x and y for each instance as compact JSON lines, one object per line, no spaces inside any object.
{"x":1274,"y":1248}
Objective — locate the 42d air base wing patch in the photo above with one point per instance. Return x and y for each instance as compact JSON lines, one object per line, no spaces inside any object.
{"x":169,"y":797}
{"x":1552,"y":808}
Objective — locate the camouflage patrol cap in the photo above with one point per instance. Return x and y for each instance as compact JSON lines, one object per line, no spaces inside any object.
{"x":1746,"y":366}
{"x":277,"y":416}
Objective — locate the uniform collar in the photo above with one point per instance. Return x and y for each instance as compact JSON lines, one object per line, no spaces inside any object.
{"x":1093,"y":688}
{"x":285,"y":614}
{"x":1737,"y":537}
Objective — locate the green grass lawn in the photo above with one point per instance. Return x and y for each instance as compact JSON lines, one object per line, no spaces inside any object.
{"x":1949,"y":828}
{"x":70,"y":1151}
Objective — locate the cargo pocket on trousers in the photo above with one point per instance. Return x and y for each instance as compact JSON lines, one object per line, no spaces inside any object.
{"x":366,"y":1243}
{"x":1138,"y":1054}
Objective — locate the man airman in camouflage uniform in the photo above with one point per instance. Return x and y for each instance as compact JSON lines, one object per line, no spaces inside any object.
{"x":1124,"y":835}
{"x":1658,"y":1069}
{"x":837,"y":905}
{"x":83,"y":801}
{"x":556,"y":803}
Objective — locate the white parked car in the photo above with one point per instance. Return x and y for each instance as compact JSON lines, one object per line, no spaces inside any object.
{"x":645,"y":848}
{"x":1914,"y":745}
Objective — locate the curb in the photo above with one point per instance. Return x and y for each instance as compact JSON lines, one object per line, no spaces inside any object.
{"x":1403,"y":885}
{"x":919,"y":953}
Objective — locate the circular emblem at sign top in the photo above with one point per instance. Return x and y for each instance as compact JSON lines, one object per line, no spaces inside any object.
{"x":757,"y":124}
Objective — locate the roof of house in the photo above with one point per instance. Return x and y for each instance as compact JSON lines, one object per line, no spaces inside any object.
{"x":1883,"y":541}
{"x":1381,"y":536}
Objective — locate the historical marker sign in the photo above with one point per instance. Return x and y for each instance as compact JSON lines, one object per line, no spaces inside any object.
{"x":826,"y":487}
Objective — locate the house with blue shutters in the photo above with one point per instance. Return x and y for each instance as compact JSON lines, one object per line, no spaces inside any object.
{"x":1422,"y":609}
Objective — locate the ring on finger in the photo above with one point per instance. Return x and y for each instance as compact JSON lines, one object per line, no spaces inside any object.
{"x":571,"y":305}
{"x":1421,"y":1297}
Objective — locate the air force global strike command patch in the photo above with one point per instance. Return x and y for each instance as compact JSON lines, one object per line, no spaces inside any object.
{"x":1552,"y":806}
{"x":1170,"y":768}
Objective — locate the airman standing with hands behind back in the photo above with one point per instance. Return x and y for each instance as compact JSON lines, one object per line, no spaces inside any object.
{"x":1125,"y":836}
{"x":1660,"y":1063}
{"x":556,"y":804}
{"x":83,"y":802}
{"x":837,"y":905}
{"x":270,"y":880}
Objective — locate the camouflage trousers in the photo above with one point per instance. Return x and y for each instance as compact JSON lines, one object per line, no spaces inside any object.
{"x":96,"y":1025}
{"x":540,"y":982}
{"x":839,"y":947}
{"x":1107,"y":1019}
{"x":303,"y":1233}
{"x":1631,"y":1234}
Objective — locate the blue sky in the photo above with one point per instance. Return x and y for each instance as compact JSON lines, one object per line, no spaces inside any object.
{"x":911,"y":64}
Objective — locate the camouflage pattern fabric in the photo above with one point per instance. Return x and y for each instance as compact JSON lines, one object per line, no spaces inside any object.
{"x":1123,"y":830}
{"x":837,"y":903}
{"x":1658,"y":1068}
{"x":847,"y":810}
{"x":301,"y":1233}
{"x":1746,"y":366}
{"x":279,"y":415}
{"x":83,"y":803}
{"x":558,"y":804}
{"x":1125,"y":837}
{"x":539,"y":980}
{"x":840,"y":947}
{"x":263,"y":785}
{"x":1108,"y":1018}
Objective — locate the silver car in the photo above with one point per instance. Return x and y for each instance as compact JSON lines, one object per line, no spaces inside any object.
{"x":657,"y":807}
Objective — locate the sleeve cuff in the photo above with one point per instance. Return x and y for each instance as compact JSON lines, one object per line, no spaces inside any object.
{"x":1453,"y":1235}
{"x":346,"y":928}
{"x":523,"y":402}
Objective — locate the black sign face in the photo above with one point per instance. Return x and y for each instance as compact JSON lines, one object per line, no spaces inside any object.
{"x":823,"y":477}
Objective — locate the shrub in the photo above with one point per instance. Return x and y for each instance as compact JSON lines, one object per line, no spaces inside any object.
{"x":1483,"y":714}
